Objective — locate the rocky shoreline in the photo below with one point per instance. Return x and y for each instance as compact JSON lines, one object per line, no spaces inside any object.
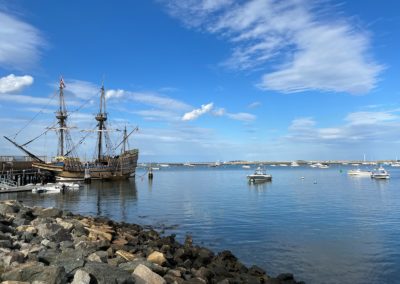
{"x":48,"y":245}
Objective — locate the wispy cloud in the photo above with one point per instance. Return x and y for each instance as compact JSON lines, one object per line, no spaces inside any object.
{"x":242,"y":116}
{"x":310,"y":51}
{"x":358,"y":127}
{"x":81,"y":89}
{"x":371,"y":117}
{"x":254,"y":105}
{"x":20,"y":43}
{"x":148,"y":98}
{"x":12,"y":83}
{"x":196,"y":113}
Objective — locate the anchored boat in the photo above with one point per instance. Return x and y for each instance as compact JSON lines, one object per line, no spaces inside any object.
{"x":380,"y":173}
{"x":107,"y":165}
{"x":259,"y":175}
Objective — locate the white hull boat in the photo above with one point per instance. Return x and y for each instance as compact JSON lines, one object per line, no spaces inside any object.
{"x":259,"y":176}
{"x":380,"y":173}
{"x":359,"y":173}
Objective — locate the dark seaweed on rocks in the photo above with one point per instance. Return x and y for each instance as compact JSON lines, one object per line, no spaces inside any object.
{"x":48,"y":245}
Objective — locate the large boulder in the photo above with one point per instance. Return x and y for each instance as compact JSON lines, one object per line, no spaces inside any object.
{"x":104,"y":273}
{"x":81,"y":277}
{"x":70,"y":259}
{"x":47,"y":212}
{"x":157,"y":257}
{"x":53,"y":232}
{"x":35,"y":272}
{"x":144,"y":275}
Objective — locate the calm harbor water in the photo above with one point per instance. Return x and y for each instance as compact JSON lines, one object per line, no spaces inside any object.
{"x":325,"y":228}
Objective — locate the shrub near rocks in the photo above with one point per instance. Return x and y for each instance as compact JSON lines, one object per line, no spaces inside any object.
{"x":47,"y":245}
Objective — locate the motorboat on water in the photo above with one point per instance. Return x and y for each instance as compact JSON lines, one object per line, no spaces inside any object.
{"x":70,"y":185}
{"x":56,"y":187}
{"x":246,"y":167}
{"x":294,"y":164}
{"x":49,"y":188}
{"x":259,"y":175}
{"x":380,"y":173}
{"x":360,"y":173}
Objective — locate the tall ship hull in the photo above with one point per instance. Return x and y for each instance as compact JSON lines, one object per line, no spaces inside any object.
{"x":120,"y":167}
{"x":106,"y":166}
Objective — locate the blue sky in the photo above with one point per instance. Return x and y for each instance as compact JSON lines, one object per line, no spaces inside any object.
{"x":207,"y":80}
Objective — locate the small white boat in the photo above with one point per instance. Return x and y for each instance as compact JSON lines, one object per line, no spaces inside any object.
{"x":294,"y":164}
{"x":164,"y":165}
{"x":259,"y":175}
{"x":69,"y":185}
{"x":380,"y":173}
{"x":359,"y":172}
{"x":395,"y":164}
{"x":283,"y":165}
{"x":40,"y":189}
{"x":246,"y":167}
{"x":319,"y":165}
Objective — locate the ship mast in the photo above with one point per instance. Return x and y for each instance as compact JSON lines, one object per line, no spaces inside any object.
{"x":101,"y":117}
{"x":62,"y":116}
{"x":123,"y":150}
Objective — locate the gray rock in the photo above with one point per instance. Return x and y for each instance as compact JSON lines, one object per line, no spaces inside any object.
{"x":116,"y":261}
{"x":66,"y":244}
{"x":144,"y":275}
{"x":70,"y":259}
{"x":20,"y":221}
{"x":48,"y":256}
{"x":53,"y":232}
{"x":13,"y":256}
{"x":47,"y":212}
{"x":35,"y":272}
{"x":132,"y":265}
{"x":8,"y":208}
{"x":81,"y":277}
{"x":99,"y":256}
{"x":86,"y":247}
{"x":104,"y":273}
{"x":6,"y":244}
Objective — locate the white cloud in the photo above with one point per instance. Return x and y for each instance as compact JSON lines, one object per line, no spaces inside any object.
{"x":148,"y":98}
{"x":20,"y":43}
{"x":358,"y":127}
{"x":156,"y":114}
{"x":254,"y":105}
{"x":196,"y":113}
{"x":370,"y":117}
{"x":81,"y":89}
{"x":313,"y":52}
{"x":12,"y":83}
{"x":242,"y":116}
{"x":219,"y":112}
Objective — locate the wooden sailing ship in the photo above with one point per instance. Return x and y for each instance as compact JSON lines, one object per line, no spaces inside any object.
{"x":105,"y":166}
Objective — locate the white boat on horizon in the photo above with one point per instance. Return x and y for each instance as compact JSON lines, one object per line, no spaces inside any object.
{"x":294,"y":164}
{"x":259,"y":175}
{"x":380,"y":173}
{"x":246,"y":167}
{"x":360,"y":173}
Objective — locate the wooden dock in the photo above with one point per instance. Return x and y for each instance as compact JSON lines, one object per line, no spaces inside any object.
{"x":25,"y":188}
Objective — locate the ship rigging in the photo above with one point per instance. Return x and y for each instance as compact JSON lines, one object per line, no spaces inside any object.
{"x":67,"y":165}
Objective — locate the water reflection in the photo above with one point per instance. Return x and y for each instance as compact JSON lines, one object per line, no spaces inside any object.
{"x":258,"y":186}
